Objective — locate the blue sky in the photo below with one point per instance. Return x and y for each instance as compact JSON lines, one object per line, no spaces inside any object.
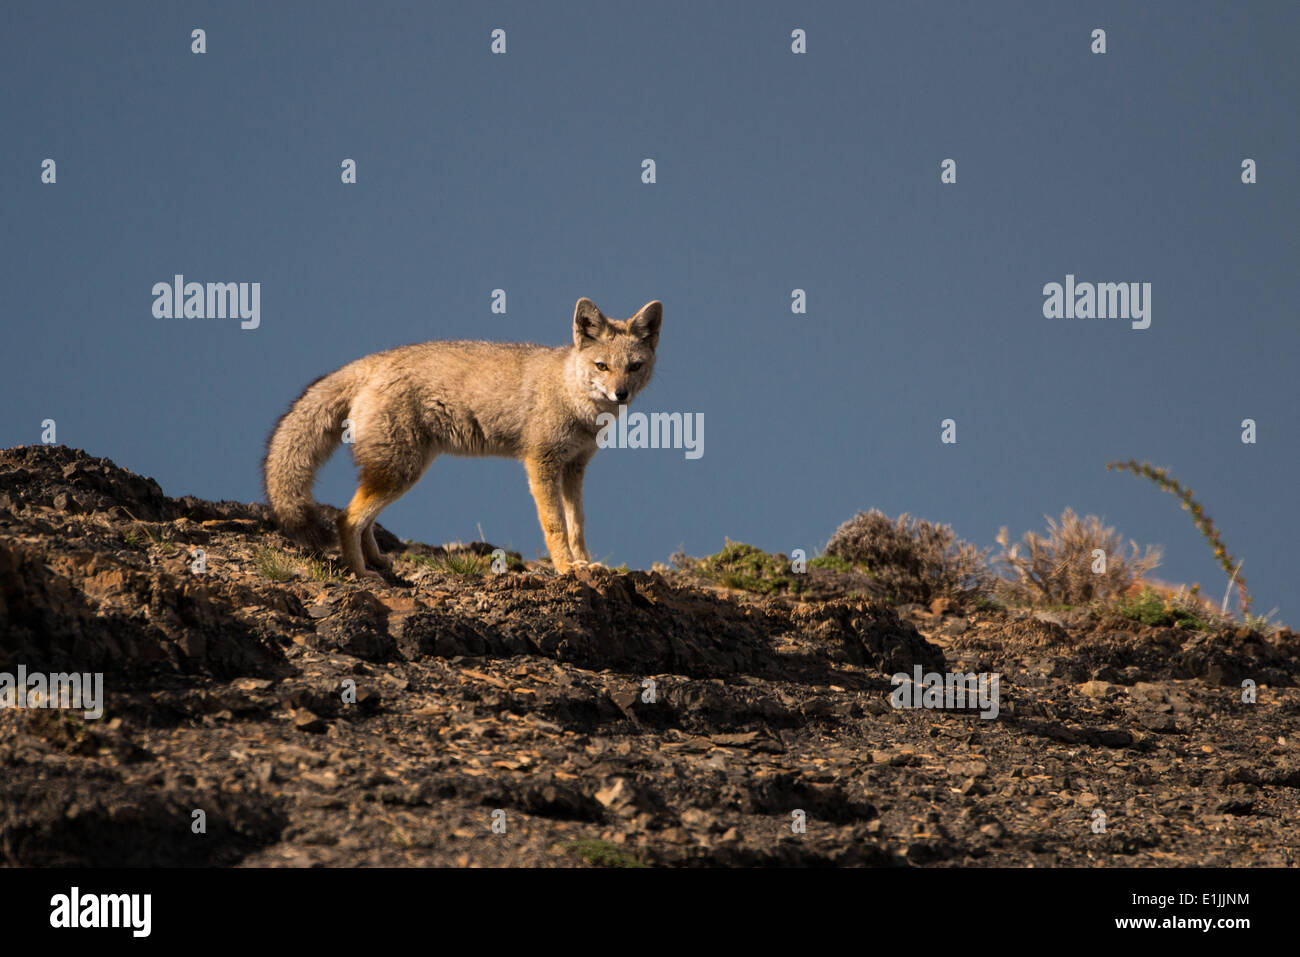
{"x":775,"y":171}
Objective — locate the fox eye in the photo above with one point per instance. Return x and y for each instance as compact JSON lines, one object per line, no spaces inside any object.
{"x":633,"y":366}
{"x":602,"y":367}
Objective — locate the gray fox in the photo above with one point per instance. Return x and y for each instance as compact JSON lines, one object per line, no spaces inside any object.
{"x":408,"y":405}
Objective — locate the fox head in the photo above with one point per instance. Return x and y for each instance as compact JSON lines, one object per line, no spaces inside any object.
{"x":615,"y":358}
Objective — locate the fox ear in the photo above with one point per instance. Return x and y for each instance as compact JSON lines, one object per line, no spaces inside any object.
{"x":645,"y":324}
{"x":588,"y":322}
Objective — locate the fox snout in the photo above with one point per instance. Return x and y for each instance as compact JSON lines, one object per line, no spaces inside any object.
{"x":610,"y":386}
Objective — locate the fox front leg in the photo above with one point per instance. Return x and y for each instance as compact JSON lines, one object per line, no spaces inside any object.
{"x":575,"y":520}
{"x":544,"y":483}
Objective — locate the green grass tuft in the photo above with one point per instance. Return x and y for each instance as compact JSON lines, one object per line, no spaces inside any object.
{"x":1150,"y":608}
{"x":832,"y":563}
{"x":274,"y":564}
{"x":327,"y":570}
{"x":456,"y":563}
{"x":749,"y":569}
{"x":601,"y":853}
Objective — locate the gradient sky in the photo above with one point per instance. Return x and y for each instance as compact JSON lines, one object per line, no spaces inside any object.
{"x":775,"y":171}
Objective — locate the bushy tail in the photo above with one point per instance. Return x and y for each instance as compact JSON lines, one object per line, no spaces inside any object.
{"x":303,"y":439}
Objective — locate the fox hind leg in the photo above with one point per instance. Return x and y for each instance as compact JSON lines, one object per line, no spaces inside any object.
{"x":368,"y":502}
{"x":375,"y":492}
{"x":371,"y":551}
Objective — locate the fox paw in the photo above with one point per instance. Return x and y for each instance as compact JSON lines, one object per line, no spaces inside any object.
{"x":380,"y":561}
{"x":581,"y":564}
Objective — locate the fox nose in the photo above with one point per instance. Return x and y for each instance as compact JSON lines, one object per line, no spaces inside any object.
{"x":621,"y":394}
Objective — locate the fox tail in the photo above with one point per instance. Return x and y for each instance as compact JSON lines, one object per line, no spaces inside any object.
{"x":302,"y":440}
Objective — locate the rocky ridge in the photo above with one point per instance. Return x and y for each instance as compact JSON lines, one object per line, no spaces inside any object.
{"x":603,"y":718}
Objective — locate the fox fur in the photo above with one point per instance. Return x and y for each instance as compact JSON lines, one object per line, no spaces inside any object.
{"x":409,"y":405}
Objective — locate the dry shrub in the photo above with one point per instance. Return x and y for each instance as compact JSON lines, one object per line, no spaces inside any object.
{"x":913,"y":559}
{"x":1057,"y":569}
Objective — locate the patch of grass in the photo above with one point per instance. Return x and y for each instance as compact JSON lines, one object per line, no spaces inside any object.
{"x":1146,"y":607}
{"x":467,"y":564}
{"x":601,"y":853}
{"x":832,"y":563}
{"x":273,"y":563}
{"x":456,"y":563}
{"x":280,"y":565}
{"x":988,"y":604}
{"x":327,"y":570}
{"x":1263,"y":624}
{"x":749,"y":569}
{"x":1151,"y":608}
{"x":162,"y":538}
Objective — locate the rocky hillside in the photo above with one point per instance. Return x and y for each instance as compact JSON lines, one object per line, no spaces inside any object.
{"x":599,"y":719}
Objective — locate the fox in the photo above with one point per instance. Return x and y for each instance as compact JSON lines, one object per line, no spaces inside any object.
{"x":406,"y":406}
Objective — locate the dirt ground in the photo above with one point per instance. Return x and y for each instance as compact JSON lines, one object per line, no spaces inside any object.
{"x":598,"y":719}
